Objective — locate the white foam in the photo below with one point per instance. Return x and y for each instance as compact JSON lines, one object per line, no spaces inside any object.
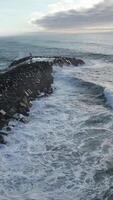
{"x":109,"y":96}
{"x":42,"y":59}
{"x":54,"y":155}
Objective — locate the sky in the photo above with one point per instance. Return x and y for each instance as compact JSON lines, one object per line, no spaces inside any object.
{"x":67,"y":16}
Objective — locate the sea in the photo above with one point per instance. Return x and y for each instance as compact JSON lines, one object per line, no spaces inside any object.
{"x":64,"y":151}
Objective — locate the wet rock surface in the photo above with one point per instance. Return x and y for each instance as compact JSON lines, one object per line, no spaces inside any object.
{"x":68,"y":61}
{"x":24,"y":81}
{"x":54,"y":61}
{"x":20,"y":85}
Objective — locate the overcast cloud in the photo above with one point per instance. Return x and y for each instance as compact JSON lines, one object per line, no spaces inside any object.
{"x":99,"y":16}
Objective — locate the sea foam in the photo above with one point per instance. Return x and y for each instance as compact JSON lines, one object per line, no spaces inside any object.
{"x":109,"y":96}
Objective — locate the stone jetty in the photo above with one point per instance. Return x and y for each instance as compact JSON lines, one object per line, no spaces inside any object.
{"x":23,"y":81}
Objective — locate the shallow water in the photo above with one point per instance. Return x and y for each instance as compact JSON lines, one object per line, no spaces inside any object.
{"x":65,"y":151}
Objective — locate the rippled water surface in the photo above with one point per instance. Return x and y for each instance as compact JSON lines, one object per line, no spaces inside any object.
{"x":65,"y":151}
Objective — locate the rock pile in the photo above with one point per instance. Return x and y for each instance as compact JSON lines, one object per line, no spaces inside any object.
{"x":20,"y":85}
{"x":23,"y":82}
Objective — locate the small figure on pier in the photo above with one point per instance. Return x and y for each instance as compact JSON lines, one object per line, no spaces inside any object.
{"x":30,"y":57}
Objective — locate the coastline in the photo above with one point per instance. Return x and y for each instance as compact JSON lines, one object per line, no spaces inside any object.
{"x":23,"y":82}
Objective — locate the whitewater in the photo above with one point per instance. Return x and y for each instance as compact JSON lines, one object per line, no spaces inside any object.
{"x":65,"y":148}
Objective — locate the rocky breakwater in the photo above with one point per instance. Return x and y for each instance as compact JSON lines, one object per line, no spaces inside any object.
{"x":25,"y":80}
{"x":19,"y":86}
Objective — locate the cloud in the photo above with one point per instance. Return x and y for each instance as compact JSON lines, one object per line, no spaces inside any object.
{"x":100,"y":16}
{"x":64,"y":5}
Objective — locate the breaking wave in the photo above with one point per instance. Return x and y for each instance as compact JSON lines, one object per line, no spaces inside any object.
{"x":109,"y":96}
{"x":98,"y":91}
{"x":97,"y":56}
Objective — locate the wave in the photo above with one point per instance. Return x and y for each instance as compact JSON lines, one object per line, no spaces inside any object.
{"x":98,"y":56}
{"x":98,"y":91}
{"x":109,"y":96}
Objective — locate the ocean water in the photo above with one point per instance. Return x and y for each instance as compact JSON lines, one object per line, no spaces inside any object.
{"x":65,"y":149}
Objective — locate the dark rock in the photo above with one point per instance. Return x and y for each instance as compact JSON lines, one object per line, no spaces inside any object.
{"x":2,"y":141}
{"x":68,"y":61}
{"x":23,"y":120}
{"x":3,"y":133}
{"x":23,"y":82}
{"x":8,"y":128}
{"x":50,"y":90}
{"x":80,"y":62}
{"x":19,"y":61}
